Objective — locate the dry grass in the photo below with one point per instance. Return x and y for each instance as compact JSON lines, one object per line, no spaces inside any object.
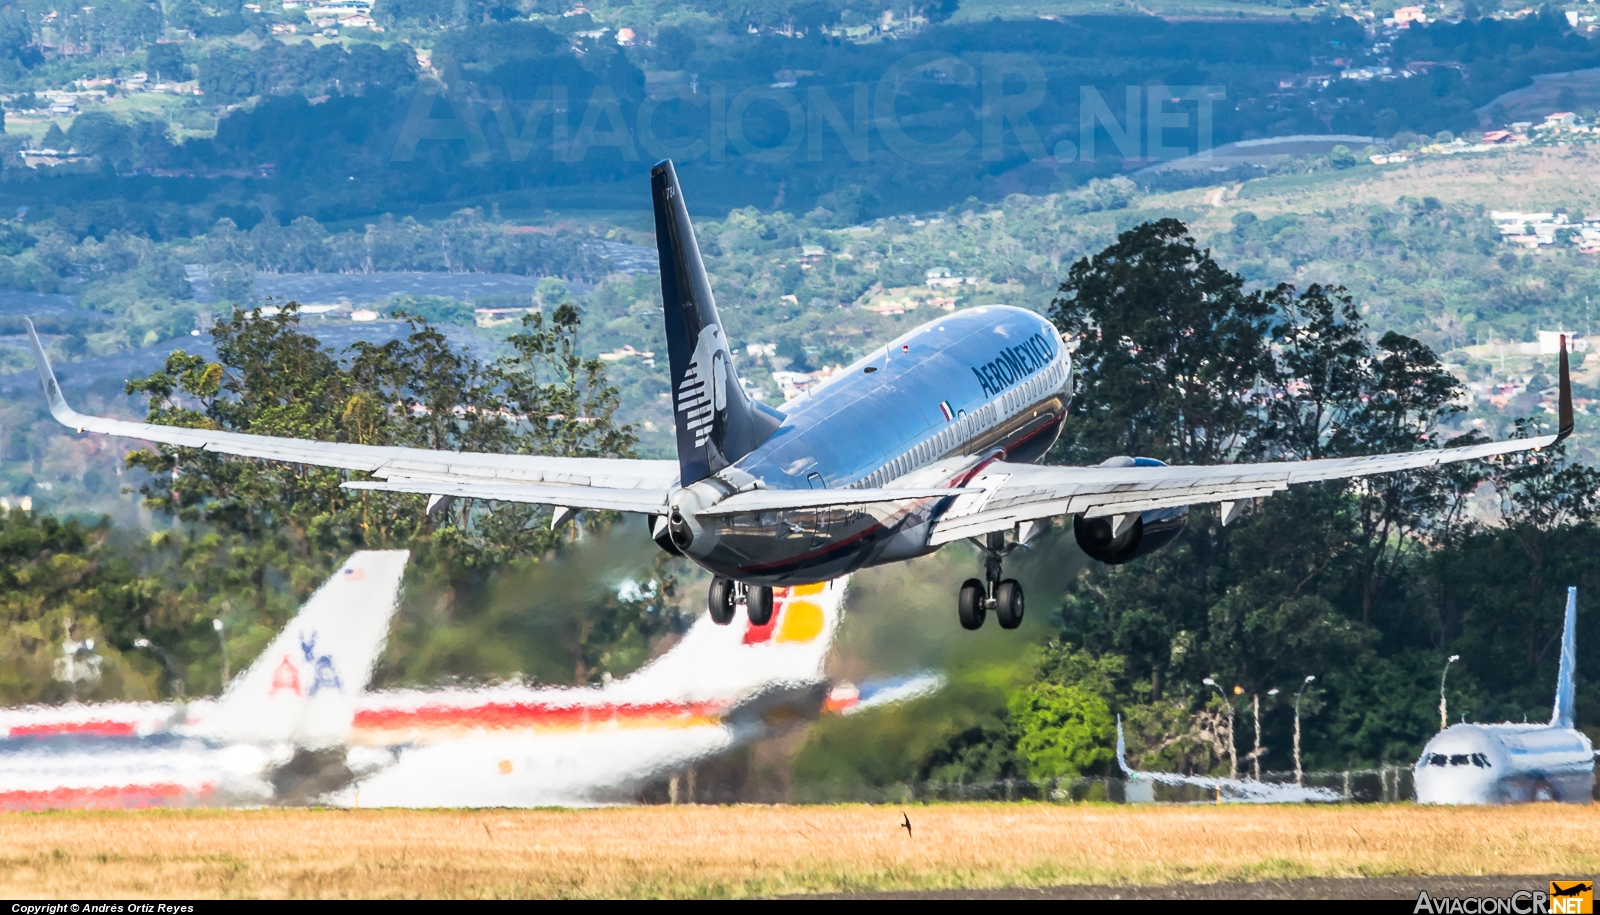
{"x":741,"y":851}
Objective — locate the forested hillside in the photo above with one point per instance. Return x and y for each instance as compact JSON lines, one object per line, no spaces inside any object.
{"x":176,"y":119}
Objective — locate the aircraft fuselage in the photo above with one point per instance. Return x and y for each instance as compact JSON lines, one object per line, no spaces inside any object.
{"x":928,"y":410}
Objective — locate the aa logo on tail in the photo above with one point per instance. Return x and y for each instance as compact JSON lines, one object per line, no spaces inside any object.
{"x":286,"y":676}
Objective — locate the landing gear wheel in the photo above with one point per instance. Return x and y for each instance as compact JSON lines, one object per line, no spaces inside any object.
{"x":1008,"y":604}
{"x":719,"y":601}
{"x":758,"y":604}
{"x":971,"y":604}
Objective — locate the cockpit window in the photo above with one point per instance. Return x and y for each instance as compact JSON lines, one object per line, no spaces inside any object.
{"x":1460,"y":759}
{"x":1481,"y":761}
{"x":1438,"y":759}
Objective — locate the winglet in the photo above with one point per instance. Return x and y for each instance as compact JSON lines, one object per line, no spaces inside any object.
{"x":47,"y":376}
{"x":1564,"y":405}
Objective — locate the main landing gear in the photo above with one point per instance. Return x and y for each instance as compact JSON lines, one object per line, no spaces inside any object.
{"x":1003,"y":596}
{"x":726,"y":594}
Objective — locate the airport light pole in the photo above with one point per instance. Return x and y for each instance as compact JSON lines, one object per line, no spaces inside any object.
{"x":1233,"y":752}
{"x":1299,"y":775}
{"x":168,"y":661}
{"x":1444,"y":714}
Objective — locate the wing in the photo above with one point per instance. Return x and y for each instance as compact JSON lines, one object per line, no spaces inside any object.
{"x":1016,"y":493}
{"x":599,"y":483}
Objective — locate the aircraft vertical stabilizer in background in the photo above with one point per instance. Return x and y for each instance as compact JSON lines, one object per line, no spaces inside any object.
{"x":1515,"y":763}
{"x":300,"y":694}
{"x":518,"y":746}
{"x":304,"y":687}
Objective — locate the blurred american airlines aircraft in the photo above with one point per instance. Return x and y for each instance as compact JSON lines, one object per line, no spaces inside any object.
{"x":300,"y":695}
{"x":518,"y":746}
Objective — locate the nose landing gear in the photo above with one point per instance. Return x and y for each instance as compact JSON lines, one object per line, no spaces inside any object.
{"x":1002,"y":595}
{"x":725,"y":594}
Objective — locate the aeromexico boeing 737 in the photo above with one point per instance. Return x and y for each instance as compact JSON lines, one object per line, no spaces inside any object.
{"x":928,"y":440}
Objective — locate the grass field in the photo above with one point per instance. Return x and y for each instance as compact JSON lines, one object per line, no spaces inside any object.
{"x":745,"y":851}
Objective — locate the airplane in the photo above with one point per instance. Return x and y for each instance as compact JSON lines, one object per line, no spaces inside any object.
{"x":1141,"y":784}
{"x":928,"y":440}
{"x":519,"y":746}
{"x":248,"y":746}
{"x":1514,"y":763}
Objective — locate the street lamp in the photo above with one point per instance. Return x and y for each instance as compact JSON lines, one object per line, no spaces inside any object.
{"x":1299,"y":775}
{"x":1444,"y":714}
{"x":1233,"y":753}
{"x":223,"y":641}
{"x":169,"y":661}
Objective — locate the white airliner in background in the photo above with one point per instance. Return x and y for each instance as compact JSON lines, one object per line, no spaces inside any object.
{"x":521,"y":746}
{"x":299,"y":725}
{"x":247,"y":746}
{"x":1514,"y":763}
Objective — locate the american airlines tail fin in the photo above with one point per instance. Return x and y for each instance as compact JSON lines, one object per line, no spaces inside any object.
{"x":1566,"y":680}
{"x":717,"y":422}
{"x":732,"y":663}
{"x":304,"y":686}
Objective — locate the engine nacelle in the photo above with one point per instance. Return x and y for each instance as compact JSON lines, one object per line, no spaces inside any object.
{"x":1151,"y":531}
{"x":661,"y":533}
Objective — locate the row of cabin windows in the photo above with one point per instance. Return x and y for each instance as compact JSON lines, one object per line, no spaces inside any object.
{"x":1459,"y":759}
{"x":945,"y":440}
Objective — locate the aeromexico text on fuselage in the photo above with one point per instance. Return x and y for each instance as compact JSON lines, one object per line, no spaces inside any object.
{"x":1014,"y":364}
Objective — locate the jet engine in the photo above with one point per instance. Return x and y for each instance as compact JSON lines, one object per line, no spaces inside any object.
{"x":1116,"y":539}
{"x":1149,"y":532}
{"x":661,"y":533}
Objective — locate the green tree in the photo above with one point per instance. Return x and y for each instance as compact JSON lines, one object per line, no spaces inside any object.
{"x":1064,"y":731}
{"x":245,"y":522}
{"x":1168,"y":344}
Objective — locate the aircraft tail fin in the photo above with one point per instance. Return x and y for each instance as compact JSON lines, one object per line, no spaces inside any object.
{"x":304,"y":686}
{"x":1566,"y":680}
{"x":733,"y":663}
{"x":1122,"y":750}
{"x":717,"y":422}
